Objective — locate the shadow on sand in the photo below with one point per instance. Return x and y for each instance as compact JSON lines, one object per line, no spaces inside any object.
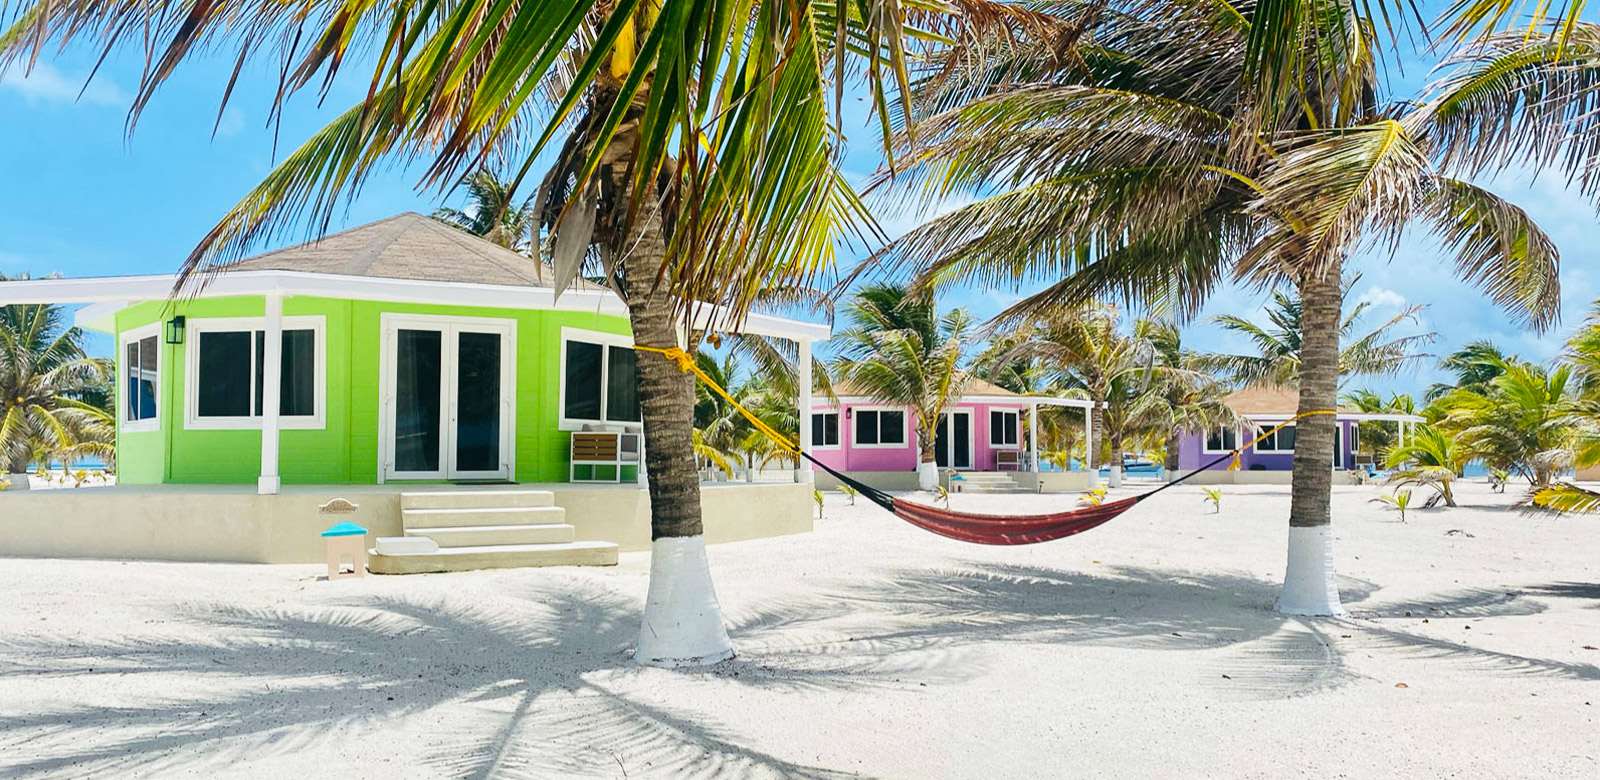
{"x":542,"y":690}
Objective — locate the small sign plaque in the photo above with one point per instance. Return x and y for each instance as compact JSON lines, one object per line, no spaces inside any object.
{"x":338,"y":506}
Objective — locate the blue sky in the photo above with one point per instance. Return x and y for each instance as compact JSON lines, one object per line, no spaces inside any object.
{"x":80,"y":196}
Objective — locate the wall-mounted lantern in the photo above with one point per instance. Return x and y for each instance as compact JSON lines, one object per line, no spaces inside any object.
{"x":175,"y":330}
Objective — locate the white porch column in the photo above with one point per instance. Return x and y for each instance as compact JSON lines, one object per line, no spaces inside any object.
{"x":1033,"y":436}
{"x":802,"y":469}
{"x":271,"y":379}
{"x":1088,"y":447}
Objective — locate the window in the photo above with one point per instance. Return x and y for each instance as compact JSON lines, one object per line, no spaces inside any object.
{"x":1222,"y":439}
{"x":141,"y":379}
{"x":1002,"y":428}
{"x":1281,"y":440}
{"x":226,"y":382}
{"x":824,"y":430}
{"x":880,"y":427}
{"x":599,"y":379}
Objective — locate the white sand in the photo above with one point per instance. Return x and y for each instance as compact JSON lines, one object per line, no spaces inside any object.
{"x":1145,"y":648}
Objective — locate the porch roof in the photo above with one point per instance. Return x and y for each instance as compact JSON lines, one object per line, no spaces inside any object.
{"x":977,"y":391}
{"x":407,"y":258}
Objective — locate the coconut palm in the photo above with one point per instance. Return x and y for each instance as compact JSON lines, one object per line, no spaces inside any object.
{"x":1193,"y":146}
{"x":900,"y":350}
{"x":44,"y":377}
{"x":1277,"y":362}
{"x":696,"y":166}
{"x":1430,"y":457}
{"x":1474,"y":365}
{"x":494,"y":213}
{"x":1191,"y":394}
{"x":1521,"y":423}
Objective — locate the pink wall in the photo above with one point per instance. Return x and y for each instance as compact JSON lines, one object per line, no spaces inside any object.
{"x":847,"y":457}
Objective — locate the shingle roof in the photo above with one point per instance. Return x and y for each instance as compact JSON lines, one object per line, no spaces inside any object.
{"x":1269,"y":400}
{"x":408,"y":246}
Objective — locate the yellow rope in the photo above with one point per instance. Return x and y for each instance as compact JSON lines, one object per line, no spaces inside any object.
{"x":1235,"y":465}
{"x":687,"y":365}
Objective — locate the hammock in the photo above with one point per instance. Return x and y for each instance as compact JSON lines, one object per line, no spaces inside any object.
{"x":969,"y":526}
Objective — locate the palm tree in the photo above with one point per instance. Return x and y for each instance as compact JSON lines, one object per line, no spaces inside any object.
{"x":1279,"y":343}
{"x":1521,"y":423}
{"x":1191,"y":146}
{"x":1429,"y":457}
{"x":493,"y":212}
{"x":900,"y":350}
{"x":44,"y":378}
{"x":1474,"y":365}
{"x":1376,"y":437}
{"x":698,"y":168}
{"x":1191,"y":394}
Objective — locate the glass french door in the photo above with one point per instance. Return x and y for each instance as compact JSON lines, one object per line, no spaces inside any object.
{"x":448,"y":401}
{"x":952,"y":440}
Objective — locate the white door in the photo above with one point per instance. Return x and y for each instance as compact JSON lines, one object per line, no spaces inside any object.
{"x":447,"y":395}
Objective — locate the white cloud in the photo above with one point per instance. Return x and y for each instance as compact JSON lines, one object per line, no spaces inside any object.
{"x":46,"y":84}
{"x":1380,"y":297}
{"x":231,"y":123}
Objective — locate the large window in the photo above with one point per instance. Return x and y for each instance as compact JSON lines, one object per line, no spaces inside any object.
{"x":141,"y":379}
{"x":1222,"y":439}
{"x":824,"y":430}
{"x":599,"y":379}
{"x":880,"y":427}
{"x":1003,"y":428}
{"x":227,"y":373}
{"x":1281,"y":440}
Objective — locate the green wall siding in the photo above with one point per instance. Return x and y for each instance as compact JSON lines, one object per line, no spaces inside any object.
{"x":346,"y":449}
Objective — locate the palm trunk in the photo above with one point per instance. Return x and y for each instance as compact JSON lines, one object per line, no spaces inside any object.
{"x":1116,"y":460}
{"x":1091,"y":448}
{"x":1171,"y":464}
{"x":1308,"y":581}
{"x":682,"y":620}
{"x":927,"y":460}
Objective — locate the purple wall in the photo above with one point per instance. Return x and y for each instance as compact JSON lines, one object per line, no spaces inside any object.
{"x":847,"y":457}
{"x":1191,"y":455}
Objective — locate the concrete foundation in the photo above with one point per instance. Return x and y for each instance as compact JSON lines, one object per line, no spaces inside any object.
{"x":232,"y":523}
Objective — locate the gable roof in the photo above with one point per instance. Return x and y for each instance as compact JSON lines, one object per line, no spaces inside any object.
{"x":408,"y":246}
{"x":1273,"y":400}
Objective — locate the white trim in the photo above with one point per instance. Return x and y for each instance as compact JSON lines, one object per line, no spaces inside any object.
{"x":1016,"y":428}
{"x":905,"y":428}
{"x":839,"y":430}
{"x":123,"y":340}
{"x":609,"y":341}
{"x":389,"y":325}
{"x":1205,"y":442}
{"x":99,"y":317}
{"x":1018,"y":401}
{"x":1342,"y":417}
{"x":1275,"y":449}
{"x":194,"y":326}
{"x":949,"y":429}
{"x":369,"y":288}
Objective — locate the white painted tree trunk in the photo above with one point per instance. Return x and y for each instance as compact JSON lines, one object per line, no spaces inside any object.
{"x":682,"y":620}
{"x":927,"y":475}
{"x":1116,"y":475}
{"x":1308,"y":585}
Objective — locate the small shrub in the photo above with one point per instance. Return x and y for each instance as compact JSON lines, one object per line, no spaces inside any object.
{"x":849,"y":493}
{"x":1214,"y":496}
{"x":1401,"y":500}
{"x":816,"y":495}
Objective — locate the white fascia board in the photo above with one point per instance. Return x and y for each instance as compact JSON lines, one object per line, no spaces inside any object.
{"x":99,"y":317}
{"x":1343,"y":417}
{"x":126,"y":288}
{"x":1008,"y":400}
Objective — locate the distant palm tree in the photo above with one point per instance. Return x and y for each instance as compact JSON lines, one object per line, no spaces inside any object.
{"x":1375,"y":437}
{"x":1190,"y":392}
{"x":1429,"y":457}
{"x":1474,"y":365}
{"x":44,"y":377}
{"x":1521,"y":423}
{"x":1280,"y":342}
{"x":898,"y":349}
{"x":493,"y":212}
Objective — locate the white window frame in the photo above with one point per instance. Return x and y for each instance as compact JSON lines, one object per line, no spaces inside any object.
{"x":1016,"y":426}
{"x":192,"y":420}
{"x":905,"y":428}
{"x":816,"y":445}
{"x":609,"y":340}
{"x":123,"y":340}
{"x":1261,"y":447}
{"x":1205,"y":441}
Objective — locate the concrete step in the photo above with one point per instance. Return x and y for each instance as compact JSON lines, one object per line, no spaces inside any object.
{"x":476,"y":499}
{"x":978,"y":476}
{"x":415,"y":519}
{"x":481,"y":535}
{"x":1012,"y":488}
{"x":504,"y":556}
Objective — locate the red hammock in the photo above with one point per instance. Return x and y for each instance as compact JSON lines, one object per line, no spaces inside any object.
{"x":1007,"y":529}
